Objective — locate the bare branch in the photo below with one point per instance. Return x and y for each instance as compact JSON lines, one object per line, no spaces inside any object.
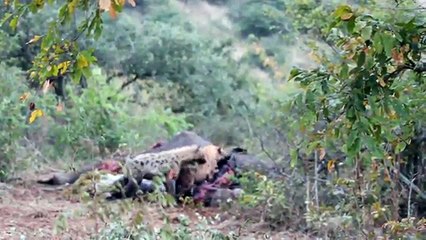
{"x":125,"y":84}
{"x":405,"y":180}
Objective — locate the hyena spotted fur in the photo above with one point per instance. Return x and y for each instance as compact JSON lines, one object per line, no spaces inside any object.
{"x":180,"y":161}
{"x":148,"y":165}
{"x":162,"y":162}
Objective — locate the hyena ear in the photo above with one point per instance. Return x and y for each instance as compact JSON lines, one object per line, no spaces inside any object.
{"x":221,"y":151}
{"x":198,"y":148}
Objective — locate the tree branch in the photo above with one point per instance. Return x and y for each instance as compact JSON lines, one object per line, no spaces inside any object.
{"x":136,"y":77}
{"x":119,"y":74}
{"x":125,"y":84}
{"x":405,"y":180}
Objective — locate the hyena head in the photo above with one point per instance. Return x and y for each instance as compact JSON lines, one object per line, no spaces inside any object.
{"x":213,"y":153}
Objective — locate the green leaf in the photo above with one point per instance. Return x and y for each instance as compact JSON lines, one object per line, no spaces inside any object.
{"x":86,"y":72}
{"x":5,"y":18}
{"x":54,"y":70}
{"x":398,"y":36}
{"x":361,"y":59}
{"x":350,"y":113}
{"x":14,"y":22}
{"x":76,"y":76}
{"x":47,"y":40}
{"x":354,"y":143}
{"x":350,"y":25}
{"x":372,"y":146}
{"x":344,"y":72}
{"x":400,"y":147}
{"x":343,"y":11}
{"x":294,"y":158}
{"x":388,"y":43}
{"x":370,"y":62}
{"x":377,"y":42}
{"x":366,"y":32}
{"x":294,"y":73}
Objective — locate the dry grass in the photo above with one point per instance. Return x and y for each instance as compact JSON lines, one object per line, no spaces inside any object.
{"x":33,"y":210}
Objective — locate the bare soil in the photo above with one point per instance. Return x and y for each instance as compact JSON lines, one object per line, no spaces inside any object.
{"x":32,"y":211}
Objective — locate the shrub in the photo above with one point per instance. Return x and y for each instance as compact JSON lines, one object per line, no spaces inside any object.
{"x":12,"y":120}
{"x":260,"y":19}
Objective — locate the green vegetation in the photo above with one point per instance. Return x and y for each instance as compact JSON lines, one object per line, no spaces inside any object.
{"x":300,"y":82}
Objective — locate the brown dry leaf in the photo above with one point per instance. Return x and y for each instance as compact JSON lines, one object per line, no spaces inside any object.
{"x":374,"y":166}
{"x":387,"y":177}
{"x":382,"y":82}
{"x":367,"y":50}
{"x":416,"y":39}
{"x":113,"y":13}
{"x":331,"y":165}
{"x":346,"y":16}
{"x":105,"y":4}
{"x":132,"y":2}
{"x":24,"y":97}
{"x":59,"y":107}
{"x":398,"y":57}
{"x":46,"y":86}
{"x":392,"y":114}
{"x":321,"y":152}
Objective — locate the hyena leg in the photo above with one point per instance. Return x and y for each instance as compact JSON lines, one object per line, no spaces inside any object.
{"x":171,"y":181}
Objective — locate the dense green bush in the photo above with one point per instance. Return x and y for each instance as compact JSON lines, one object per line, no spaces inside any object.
{"x":9,"y":48}
{"x":260,"y":18}
{"x":12,"y":121}
{"x":207,"y":80}
{"x":96,"y":122}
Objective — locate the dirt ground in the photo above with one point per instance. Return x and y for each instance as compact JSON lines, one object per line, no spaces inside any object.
{"x":32,"y":211}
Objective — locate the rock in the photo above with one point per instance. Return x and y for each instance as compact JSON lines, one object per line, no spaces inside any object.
{"x":148,"y":186}
{"x":181,"y":139}
{"x":223,"y":196}
{"x":243,"y":162}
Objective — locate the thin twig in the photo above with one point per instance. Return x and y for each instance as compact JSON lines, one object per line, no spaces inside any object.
{"x":409,"y":198}
{"x":262,"y":146}
{"x":129,"y":82}
{"x":405,"y":180}
{"x":316,"y":180}
{"x":308,"y":199}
